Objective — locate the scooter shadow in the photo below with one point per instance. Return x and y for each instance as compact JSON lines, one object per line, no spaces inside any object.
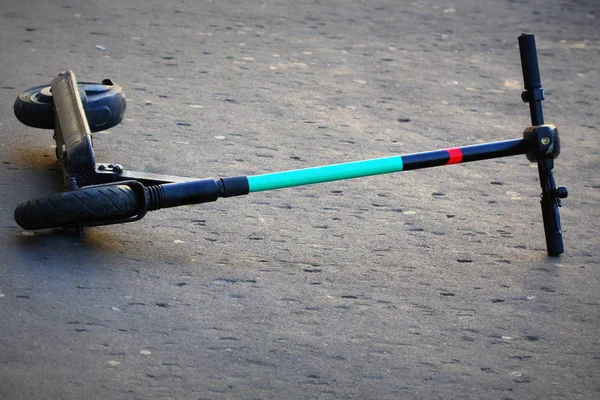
{"x":98,"y":246}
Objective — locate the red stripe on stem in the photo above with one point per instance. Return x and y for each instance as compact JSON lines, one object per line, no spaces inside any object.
{"x":456,"y":156}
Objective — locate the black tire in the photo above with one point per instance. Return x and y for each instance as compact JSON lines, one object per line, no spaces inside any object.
{"x":104,"y":105}
{"x":34,"y":110}
{"x":85,"y":206}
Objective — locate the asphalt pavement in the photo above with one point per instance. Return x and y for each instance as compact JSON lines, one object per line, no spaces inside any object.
{"x":423,"y":284}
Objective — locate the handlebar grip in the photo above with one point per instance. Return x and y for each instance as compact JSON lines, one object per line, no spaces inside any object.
{"x":533,"y":94}
{"x":529,"y":62}
{"x":552,"y":228}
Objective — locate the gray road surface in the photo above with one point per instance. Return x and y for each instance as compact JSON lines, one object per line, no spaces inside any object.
{"x":421,"y":285}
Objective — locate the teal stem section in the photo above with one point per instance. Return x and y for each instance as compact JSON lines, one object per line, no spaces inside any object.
{"x":328,"y":173}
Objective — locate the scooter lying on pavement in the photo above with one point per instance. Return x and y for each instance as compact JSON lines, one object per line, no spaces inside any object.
{"x":103,"y":194}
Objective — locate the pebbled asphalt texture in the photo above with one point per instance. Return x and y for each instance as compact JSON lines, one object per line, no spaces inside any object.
{"x":426,"y":284}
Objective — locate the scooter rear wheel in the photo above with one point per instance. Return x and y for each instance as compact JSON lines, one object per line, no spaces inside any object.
{"x":85,"y":206}
{"x":104,"y":105}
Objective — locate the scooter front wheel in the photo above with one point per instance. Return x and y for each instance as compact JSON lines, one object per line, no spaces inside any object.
{"x":86,"y":206}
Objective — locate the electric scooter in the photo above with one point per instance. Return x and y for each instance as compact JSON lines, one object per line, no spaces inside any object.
{"x":103,"y":193}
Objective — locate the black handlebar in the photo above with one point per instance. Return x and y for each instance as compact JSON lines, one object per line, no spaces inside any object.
{"x":545,"y":144}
